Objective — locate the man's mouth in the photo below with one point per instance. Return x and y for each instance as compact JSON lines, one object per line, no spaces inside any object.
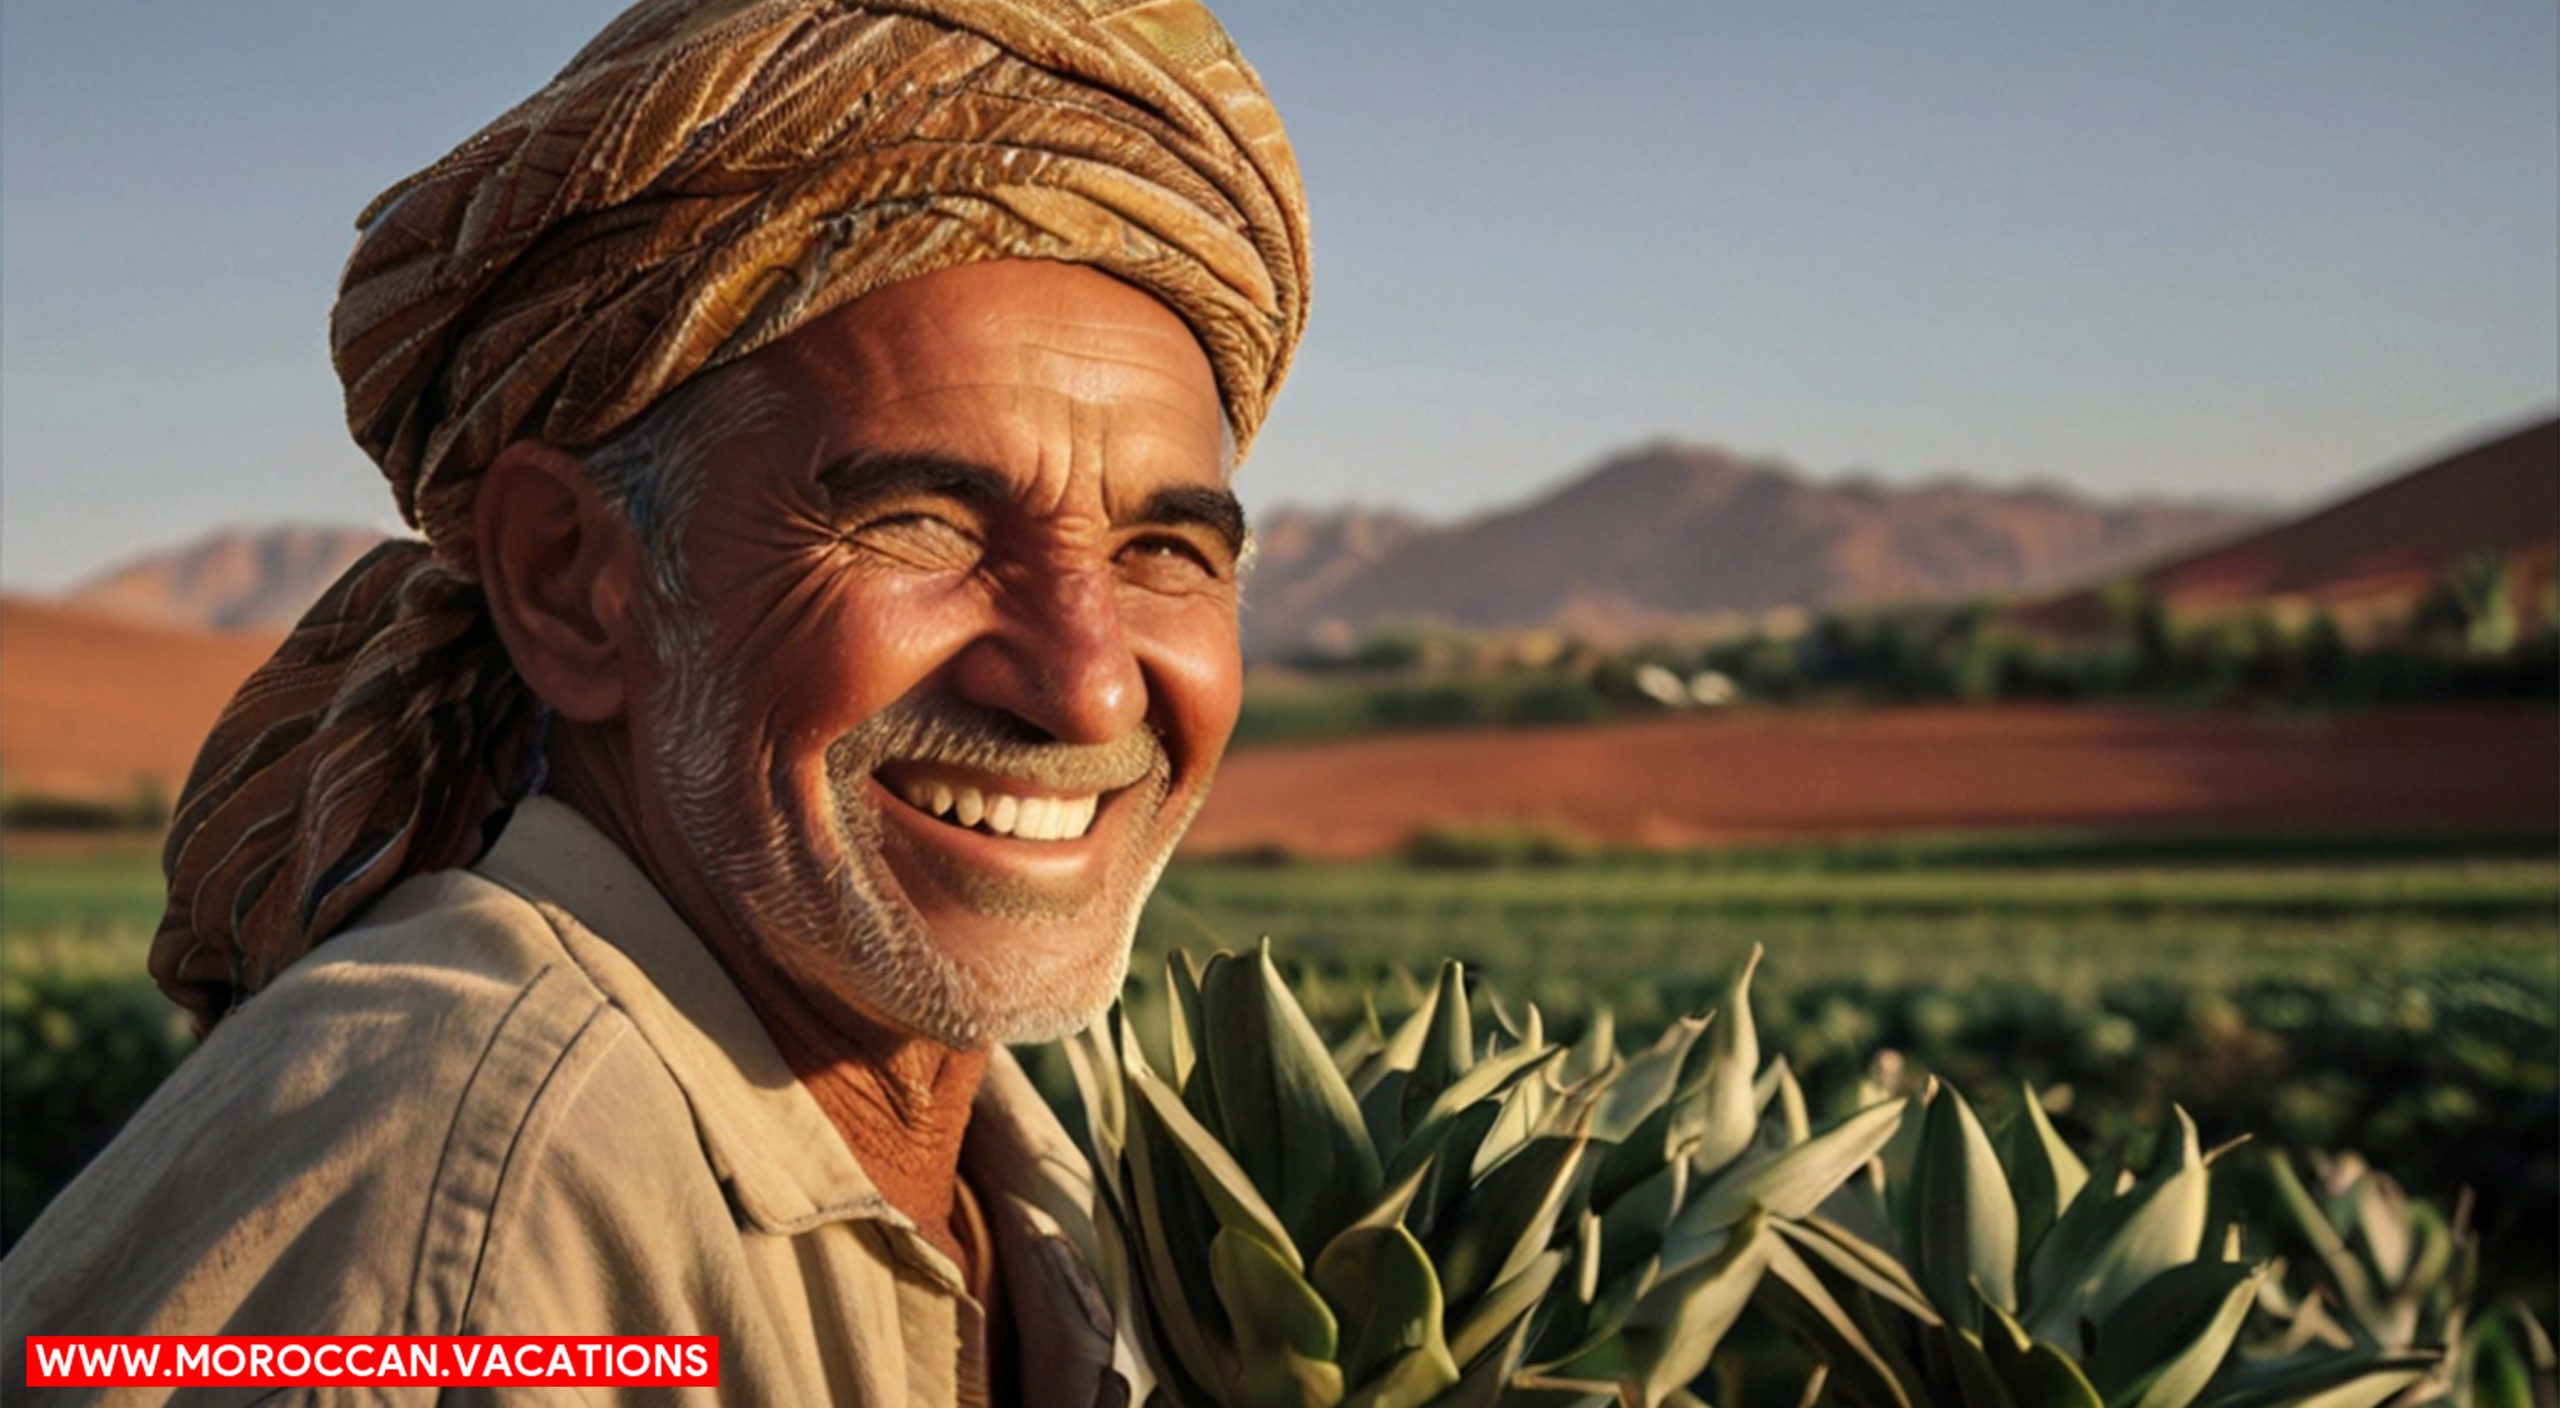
{"x":993,"y":806}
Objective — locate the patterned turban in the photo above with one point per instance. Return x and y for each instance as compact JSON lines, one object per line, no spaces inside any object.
{"x":704,"y":178}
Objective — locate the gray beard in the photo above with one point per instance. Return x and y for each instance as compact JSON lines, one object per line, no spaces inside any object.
{"x":849,"y":927}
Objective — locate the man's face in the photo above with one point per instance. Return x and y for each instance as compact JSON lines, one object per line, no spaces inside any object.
{"x":960,"y":654}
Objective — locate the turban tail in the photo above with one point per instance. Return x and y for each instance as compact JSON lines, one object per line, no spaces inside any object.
{"x":704,"y":178}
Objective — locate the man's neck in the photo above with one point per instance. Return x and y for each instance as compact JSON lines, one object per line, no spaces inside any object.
{"x":899,"y":1101}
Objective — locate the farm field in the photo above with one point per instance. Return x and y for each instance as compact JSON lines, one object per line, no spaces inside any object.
{"x":1824,"y":774}
{"x":2209,"y":912}
{"x":92,"y":704}
{"x":2395,"y":993}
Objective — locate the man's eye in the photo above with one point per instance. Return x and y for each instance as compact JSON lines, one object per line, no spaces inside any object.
{"x":907,"y":523}
{"x":926,"y":539}
{"x":1166,"y":551}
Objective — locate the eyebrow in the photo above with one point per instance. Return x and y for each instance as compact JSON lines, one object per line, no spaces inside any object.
{"x":874,"y":476}
{"x":1213,"y":509}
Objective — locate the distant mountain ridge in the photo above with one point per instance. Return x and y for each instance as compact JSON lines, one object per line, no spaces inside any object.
{"x":1669,"y":535}
{"x":235,"y":579}
{"x":1662,"y":537}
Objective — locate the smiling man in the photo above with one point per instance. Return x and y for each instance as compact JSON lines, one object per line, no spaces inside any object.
{"x":608,"y":915}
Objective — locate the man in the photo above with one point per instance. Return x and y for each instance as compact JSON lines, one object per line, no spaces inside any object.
{"x":609,"y":914}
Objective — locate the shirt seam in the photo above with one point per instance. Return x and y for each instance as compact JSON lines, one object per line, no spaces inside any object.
{"x":542,"y":1092}
{"x":437,"y":1185}
{"x":555,"y":1007}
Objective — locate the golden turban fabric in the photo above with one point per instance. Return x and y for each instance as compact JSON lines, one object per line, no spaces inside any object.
{"x":705,"y":177}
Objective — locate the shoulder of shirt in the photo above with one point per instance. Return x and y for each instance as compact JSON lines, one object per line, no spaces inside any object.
{"x":389,"y":1090}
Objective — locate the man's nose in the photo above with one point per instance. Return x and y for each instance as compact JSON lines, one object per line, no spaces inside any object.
{"x":1060,"y":660}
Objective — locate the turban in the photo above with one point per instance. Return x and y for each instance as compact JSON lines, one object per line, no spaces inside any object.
{"x":703,"y":178}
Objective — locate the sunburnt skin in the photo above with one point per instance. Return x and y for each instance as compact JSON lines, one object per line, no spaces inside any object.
{"x":984,"y":545}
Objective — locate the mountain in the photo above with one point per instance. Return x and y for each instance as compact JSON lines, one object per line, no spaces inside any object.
{"x":93,"y":704}
{"x":1669,"y":537}
{"x":238,"y":579}
{"x":2370,"y":557}
{"x":1302,"y":555}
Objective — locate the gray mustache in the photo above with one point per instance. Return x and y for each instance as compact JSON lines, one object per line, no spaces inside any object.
{"x":959,"y":734}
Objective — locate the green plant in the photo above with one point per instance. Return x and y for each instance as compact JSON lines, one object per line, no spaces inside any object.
{"x":2471,"y":606}
{"x":1411,"y":1216}
{"x":2001,"y":1273}
{"x":2385,"y":1272}
{"x":78,"y":1052}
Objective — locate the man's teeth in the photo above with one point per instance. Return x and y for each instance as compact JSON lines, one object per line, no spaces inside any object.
{"x":1027,"y":818}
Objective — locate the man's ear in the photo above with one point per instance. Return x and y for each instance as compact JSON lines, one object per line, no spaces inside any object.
{"x":559,"y":567}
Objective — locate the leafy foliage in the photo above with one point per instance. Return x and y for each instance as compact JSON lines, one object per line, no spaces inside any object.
{"x":2400,"y":996}
{"x":77,"y":1054}
{"x":1412,"y":1215}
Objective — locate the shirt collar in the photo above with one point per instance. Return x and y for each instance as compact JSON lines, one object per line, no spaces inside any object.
{"x":784,"y":1164}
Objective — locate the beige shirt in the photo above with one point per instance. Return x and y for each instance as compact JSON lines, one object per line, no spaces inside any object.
{"x":526,"y":1099}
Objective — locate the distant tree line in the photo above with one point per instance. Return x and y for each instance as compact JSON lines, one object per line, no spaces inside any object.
{"x":2464,"y":641}
{"x":145,"y":808}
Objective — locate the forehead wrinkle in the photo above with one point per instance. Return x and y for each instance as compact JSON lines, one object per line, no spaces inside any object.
{"x":1073,"y":343}
{"x":1171,"y":332}
{"x":912,"y":393}
{"x":1092,"y":424}
{"x":884,"y":362}
{"x":1054,"y":355}
{"x":1037,"y":412}
{"x":1112,"y":382}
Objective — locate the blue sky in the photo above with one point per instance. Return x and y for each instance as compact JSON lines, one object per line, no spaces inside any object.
{"x":2255,"y":250}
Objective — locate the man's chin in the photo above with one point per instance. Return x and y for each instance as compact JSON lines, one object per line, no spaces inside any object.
{"x":969,"y":979}
{"x":980,"y":1011}
{"x":1024,"y":983}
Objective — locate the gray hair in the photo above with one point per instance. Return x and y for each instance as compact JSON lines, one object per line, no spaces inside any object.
{"x":652,"y":470}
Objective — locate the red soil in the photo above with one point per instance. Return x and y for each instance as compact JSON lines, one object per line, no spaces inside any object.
{"x":1773,"y":776}
{"x":89,"y":704}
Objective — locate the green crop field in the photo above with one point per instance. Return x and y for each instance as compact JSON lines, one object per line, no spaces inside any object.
{"x":1640,"y":931}
{"x":2396,"y":995}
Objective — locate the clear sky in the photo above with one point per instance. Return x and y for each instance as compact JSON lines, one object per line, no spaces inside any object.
{"x":2258,"y":249}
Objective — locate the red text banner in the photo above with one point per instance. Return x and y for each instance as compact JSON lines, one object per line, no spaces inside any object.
{"x":392,"y":1361}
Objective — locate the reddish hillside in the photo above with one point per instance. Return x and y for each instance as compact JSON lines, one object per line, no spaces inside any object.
{"x":90,"y":703}
{"x":2370,"y":557}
